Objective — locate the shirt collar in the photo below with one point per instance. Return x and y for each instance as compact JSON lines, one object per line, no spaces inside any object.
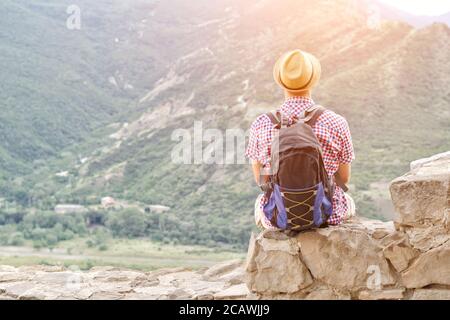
{"x":296,"y":104}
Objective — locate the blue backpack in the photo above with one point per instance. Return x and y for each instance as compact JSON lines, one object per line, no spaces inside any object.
{"x":300,"y":191}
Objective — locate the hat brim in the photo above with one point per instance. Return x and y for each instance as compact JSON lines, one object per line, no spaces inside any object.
{"x":316,"y":74}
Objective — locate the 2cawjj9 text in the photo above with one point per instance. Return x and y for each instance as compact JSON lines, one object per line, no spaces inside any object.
{"x":227,"y":310}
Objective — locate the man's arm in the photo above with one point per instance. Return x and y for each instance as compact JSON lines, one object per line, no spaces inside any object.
{"x":257,"y":168}
{"x":346,"y":155}
{"x":343,"y":174}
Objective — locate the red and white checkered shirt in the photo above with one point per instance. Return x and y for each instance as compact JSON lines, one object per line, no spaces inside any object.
{"x":333,"y":133}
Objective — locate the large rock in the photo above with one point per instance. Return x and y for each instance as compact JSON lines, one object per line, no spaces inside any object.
{"x":327,"y":294}
{"x":342,"y":258}
{"x":277,"y":268}
{"x":431,"y":294}
{"x":432,"y":267}
{"x":236,"y":292}
{"x":344,"y":261}
{"x":437,"y":160}
{"x":422,"y":201}
{"x":425,"y":239}
{"x":389,"y":294}
{"x":226,"y":270}
{"x":400,"y":253}
{"x":421,"y":196}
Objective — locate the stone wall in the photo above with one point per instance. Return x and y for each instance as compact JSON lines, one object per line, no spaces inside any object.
{"x":366,"y":259}
{"x":223,"y":281}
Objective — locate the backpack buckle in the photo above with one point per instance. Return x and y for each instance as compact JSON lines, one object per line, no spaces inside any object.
{"x":266,"y":187}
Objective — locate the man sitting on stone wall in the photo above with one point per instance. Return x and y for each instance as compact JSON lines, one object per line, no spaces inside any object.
{"x":297,"y":73}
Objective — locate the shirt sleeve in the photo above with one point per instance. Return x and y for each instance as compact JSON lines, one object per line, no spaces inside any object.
{"x":253,"y":151}
{"x":347,"y":153}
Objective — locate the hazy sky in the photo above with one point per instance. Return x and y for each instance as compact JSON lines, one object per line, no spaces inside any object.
{"x":421,"y":7}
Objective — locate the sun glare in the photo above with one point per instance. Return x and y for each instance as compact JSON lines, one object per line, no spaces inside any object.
{"x":421,"y":7}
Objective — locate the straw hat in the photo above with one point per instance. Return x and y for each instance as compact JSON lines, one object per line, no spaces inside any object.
{"x":297,"y":71}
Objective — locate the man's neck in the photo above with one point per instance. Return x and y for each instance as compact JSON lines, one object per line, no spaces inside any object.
{"x":289,"y":95}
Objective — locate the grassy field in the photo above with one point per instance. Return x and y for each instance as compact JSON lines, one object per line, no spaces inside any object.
{"x":132,"y":254}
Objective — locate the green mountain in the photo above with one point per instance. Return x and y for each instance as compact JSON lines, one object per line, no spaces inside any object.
{"x":208,"y":61}
{"x":51,"y":94}
{"x":59,"y":85}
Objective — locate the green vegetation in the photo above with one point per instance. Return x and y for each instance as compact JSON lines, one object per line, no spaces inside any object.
{"x":51,"y":94}
{"x":42,"y":228}
{"x":139,"y":254}
{"x":46,"y":229}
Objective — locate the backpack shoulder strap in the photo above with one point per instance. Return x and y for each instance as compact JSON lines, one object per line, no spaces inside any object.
{"x":275,"y":117}
{"x":313,"y":114}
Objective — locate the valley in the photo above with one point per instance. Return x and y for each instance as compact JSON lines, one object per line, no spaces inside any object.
{"x":136,"y":254}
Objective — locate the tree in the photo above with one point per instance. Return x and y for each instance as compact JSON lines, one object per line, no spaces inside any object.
{"x":127,"y":223}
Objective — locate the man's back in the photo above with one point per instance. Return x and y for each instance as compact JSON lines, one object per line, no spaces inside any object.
{"x":332,"y":132}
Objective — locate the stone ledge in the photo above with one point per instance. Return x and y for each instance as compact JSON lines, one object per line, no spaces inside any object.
{"x":362,"y":259}
{"x":223,"y":281}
